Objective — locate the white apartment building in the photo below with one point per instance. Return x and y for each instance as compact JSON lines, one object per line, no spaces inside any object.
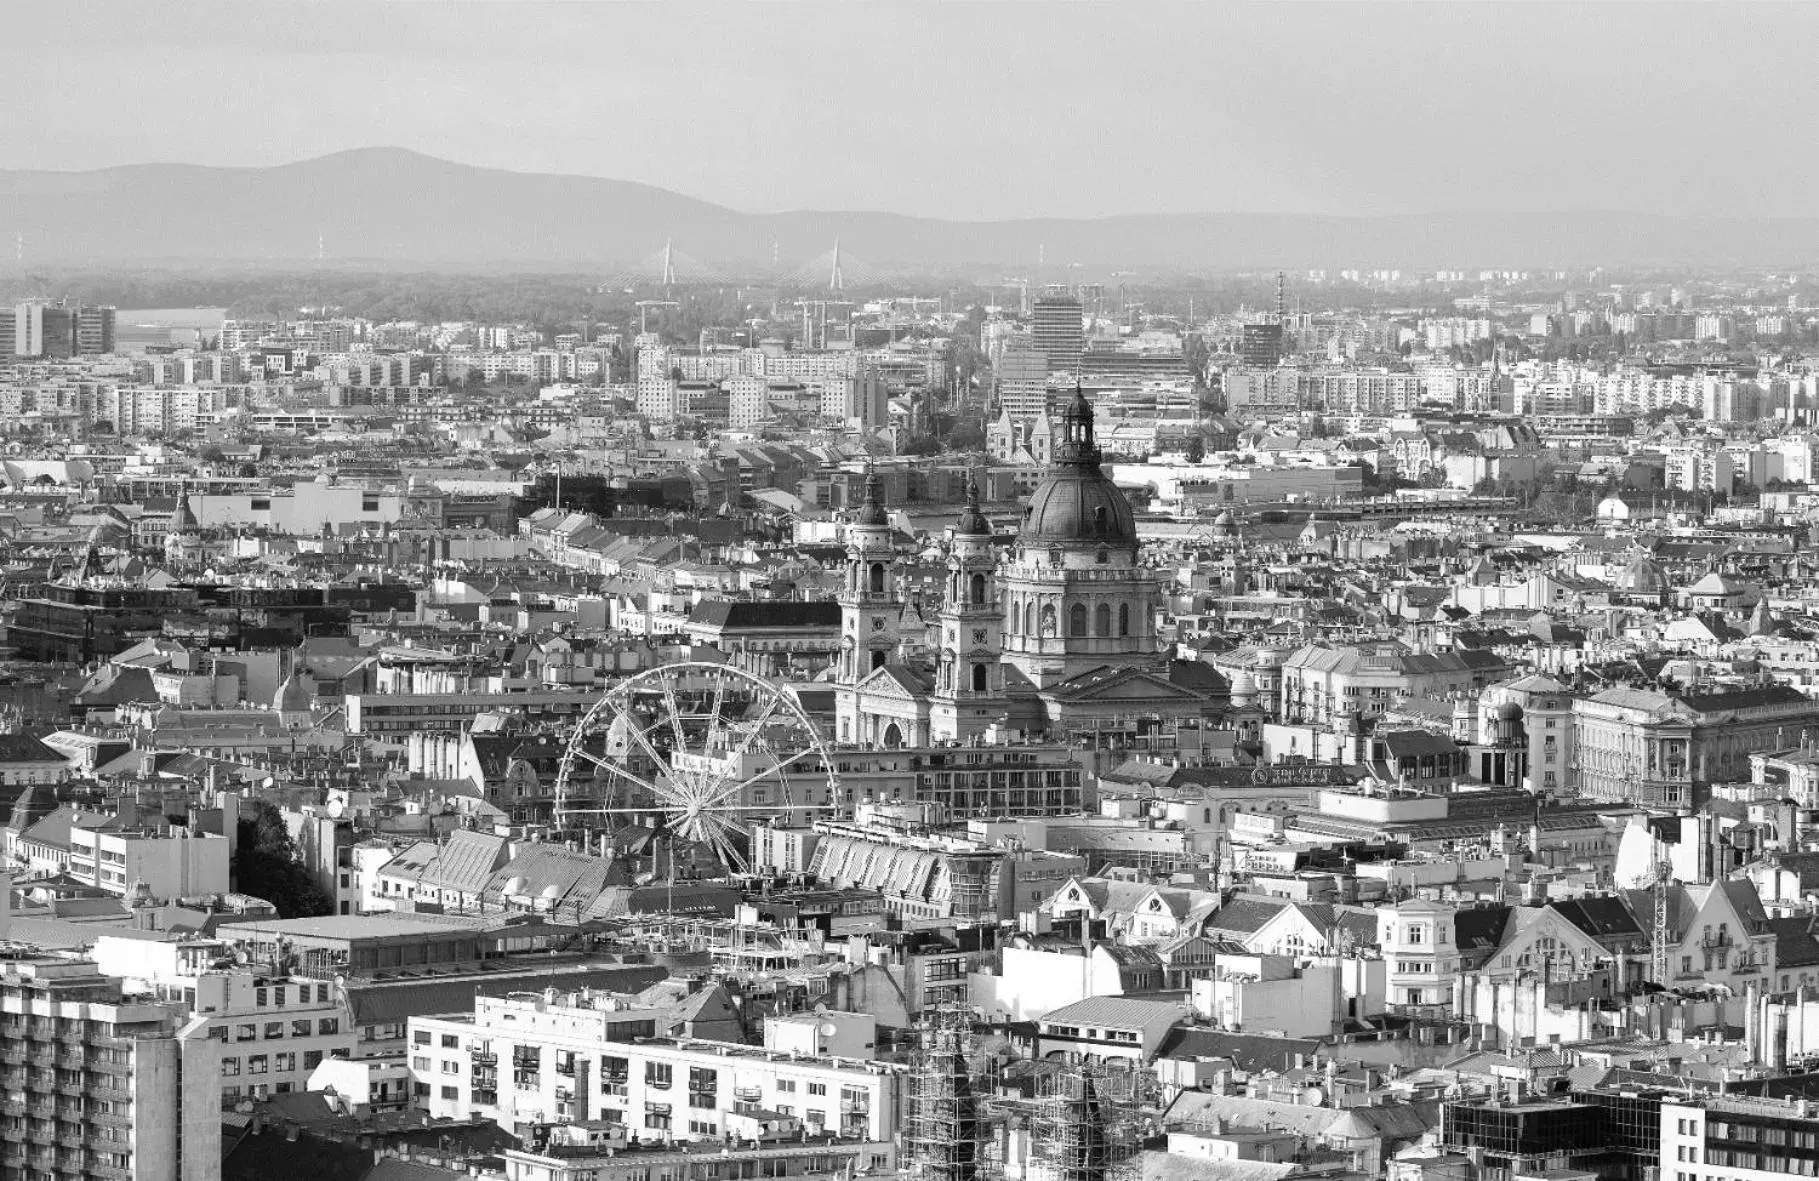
{"x":536,"y":1058}
{"x":170,"y":861}
{"x":1700,"y":469}
{"x":98,"y":1085}
{"x":268,"y":1033}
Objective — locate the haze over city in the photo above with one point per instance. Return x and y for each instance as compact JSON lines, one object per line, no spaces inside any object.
{"x":966,"y":111}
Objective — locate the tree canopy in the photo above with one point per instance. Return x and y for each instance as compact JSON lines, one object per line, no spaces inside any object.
{"x":266,"y":866}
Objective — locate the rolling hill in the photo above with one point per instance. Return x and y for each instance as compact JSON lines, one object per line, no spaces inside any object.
{"x":391,"y":206}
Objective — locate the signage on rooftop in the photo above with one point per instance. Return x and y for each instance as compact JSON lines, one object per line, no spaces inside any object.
{"x":1300,"y":775}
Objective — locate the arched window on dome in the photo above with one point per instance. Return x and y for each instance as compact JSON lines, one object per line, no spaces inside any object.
{"x":1099,"y":518}
{"x":1103,"y":558}
{"x":1124,"y":619}
{"x":1102,"y":620}
{"x":977,"y":598}
{"x":1076,"y":620}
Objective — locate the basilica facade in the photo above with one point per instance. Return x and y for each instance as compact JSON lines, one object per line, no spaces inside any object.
{"x":1054,"y":638}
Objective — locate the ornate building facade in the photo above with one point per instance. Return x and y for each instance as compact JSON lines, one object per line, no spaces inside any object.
{"x":1056,"y":639}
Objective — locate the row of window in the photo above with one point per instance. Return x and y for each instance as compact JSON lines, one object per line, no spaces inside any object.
{"x":280,"y":1063}
{"x":277,"y":994}
{"x":302,"y":1027}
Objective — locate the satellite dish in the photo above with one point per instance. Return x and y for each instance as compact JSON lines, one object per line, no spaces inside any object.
{"x":828,"y":1029}
{"x":1313,"y":1097}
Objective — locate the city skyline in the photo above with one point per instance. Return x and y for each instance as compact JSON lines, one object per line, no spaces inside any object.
{"x":1357,"y":110}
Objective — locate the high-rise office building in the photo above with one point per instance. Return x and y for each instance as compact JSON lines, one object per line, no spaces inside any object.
{"x":1058,"y":332}
{"x":94,"y":331}
{"x":1022,"y":379}
{"x":1261,"y":345}
{"x":37,"y":328}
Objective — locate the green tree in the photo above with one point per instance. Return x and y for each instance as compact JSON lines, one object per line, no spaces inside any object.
{"x":266,"y":866}
{"x":1196,"y":448}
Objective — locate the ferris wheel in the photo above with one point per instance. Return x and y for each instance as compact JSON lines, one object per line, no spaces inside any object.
{"x":704,"y":747}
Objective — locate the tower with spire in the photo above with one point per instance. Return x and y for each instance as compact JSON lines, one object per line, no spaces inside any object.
{"x":869,"y":604}
{"x":969,"y":678}
{"x":183,"y":544}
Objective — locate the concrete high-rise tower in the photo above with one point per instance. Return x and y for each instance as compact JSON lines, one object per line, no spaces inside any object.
{"x":1058,"y":331}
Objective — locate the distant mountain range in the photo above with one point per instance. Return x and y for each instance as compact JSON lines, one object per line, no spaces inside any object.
{"x":390,"y":206}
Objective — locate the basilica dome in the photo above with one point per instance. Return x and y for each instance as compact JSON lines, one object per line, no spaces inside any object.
{"x":1076,"y":503}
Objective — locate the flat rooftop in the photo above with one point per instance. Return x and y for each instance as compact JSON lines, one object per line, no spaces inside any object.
{"x":359,"y":926}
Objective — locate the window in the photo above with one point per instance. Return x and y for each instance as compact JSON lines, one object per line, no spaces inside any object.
{"x":230,"y":1066}
{"x":451,"y":1092}
{"x":817,"y":1088}
{"x":1124,"y":619}
{"x":1102,"y":620}
{"x":450,"y":1042}
{"x":703,"y":1086}
{"x":245,"y":1033}
{"x":300,"y":1028}
{"x":256,"y":1064}
{"x":312,"y":1059}
{"x":1417,"y":934}
{"x":817,"y":1118}
{"x":420,"y":1037}
{"x":322,"y":994}
{"x":328,"y":1025}
{"x":450,"y":1066}
{"x":218,"y":1032}
{"x":1076,"y":620}
{"x":259,"y":997}
{"x":274,"y":1029}
{"x":785,"y":1085}
{"x":657,"y":1074}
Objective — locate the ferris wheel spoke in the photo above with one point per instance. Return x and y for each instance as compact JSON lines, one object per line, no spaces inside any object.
{"x":726,"y":793}
{"x":715,"y":726}
{"x":640,"y":734}
{"x":675,"y":713}
{"x":758,"y":726}
{"x":619,"y":769}
{"x":720,"y":839}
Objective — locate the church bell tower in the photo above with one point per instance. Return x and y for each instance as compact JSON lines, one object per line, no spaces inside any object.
{"x":869,"y":606}
{"x":969,"y":681}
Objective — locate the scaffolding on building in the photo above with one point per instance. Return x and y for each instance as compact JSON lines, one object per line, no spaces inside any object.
{"x":1070,"y":1141}
{"x":943,"y":1130}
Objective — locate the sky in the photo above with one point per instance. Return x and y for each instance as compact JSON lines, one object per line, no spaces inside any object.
{"x":977,"y":110}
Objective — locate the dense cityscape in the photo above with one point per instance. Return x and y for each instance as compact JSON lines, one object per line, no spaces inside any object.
{"x":1053,"y":730}
{"x":1172,"y":591}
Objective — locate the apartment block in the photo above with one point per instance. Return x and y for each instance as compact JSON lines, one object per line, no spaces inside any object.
{"x":534,"y":1058}
{"x":98,"y":1086}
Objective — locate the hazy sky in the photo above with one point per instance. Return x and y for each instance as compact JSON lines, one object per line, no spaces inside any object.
{"x":988,"y":110}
